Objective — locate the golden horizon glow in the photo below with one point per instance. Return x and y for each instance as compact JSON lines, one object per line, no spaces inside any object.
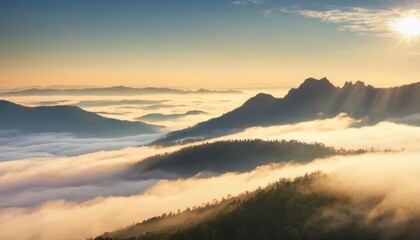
{"x":408,"y":26}
{"x":382,"y":44}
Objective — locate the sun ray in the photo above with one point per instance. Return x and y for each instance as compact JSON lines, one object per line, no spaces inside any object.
{"x":408,"y":27}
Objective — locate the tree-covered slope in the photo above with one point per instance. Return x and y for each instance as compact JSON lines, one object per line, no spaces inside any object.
{"x":231,"y":156}
{"x":305,"y":209}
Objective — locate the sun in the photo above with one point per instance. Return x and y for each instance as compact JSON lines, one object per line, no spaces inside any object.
{"x":408,"y":26}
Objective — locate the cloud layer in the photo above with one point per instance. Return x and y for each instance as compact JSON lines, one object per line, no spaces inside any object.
{"x":14,"y":146}
{"x":360,"y":175}
{"x":337,"y":132}
{"x":82,"y":196}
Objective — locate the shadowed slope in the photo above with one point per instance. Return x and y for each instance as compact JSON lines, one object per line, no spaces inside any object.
{"x":231,"y":156}
{"x":66,"y":119}
{"x":313,"y":99}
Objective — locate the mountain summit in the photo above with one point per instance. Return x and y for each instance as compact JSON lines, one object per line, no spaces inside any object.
{"x":313,"y":99}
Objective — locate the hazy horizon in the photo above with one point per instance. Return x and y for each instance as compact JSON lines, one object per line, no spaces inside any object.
{"x":211,"y":44}
{"x":261,"y":89}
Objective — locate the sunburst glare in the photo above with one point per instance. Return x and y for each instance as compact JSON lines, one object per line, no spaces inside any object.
{"x":408,"y":27}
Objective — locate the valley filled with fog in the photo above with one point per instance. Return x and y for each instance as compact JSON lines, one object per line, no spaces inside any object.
{"x":79,"y":187}
{"x":15,"y":145}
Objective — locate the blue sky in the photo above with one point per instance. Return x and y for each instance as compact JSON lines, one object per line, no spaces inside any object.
{"x":202,"y":43}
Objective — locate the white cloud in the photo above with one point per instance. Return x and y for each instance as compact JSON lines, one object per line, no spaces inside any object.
{"x":337,"y":132}
{"x":245,"y":2}
{"x":392,"y":174}
{"x":360,"y":20}
{"x":15,"y":146}
{"x":33,"y":181}
{"x":79,"y":197}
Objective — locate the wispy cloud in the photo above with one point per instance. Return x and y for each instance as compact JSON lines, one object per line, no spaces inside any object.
{"x":245,"y":2}
{"x":363,"y":21}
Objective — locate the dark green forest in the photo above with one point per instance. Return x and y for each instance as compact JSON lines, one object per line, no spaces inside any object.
{"x":303,"y":208}
{"x":233,"y":156}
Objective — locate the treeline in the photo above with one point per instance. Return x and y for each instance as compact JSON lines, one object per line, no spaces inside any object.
{"x":297,"y":209}
{"x":235,"y":156}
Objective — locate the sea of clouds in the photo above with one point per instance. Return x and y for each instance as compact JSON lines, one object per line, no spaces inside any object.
{"x":85,"y":195}
{"x":74,"y":188}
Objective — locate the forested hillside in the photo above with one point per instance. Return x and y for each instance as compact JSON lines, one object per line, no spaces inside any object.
{"x":304,"y":208}
{"x":232,"y":156}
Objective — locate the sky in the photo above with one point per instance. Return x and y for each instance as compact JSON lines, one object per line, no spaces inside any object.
{"x":207,"y":43}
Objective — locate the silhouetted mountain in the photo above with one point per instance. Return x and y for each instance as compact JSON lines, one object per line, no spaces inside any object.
{"x":313,"y":99}
{"x":104,"y":103}
{"x":118,"y":90}
{"x":305,"y":208}
{"x":230,"y":156}
{"x":69,"y":119}
{"x":156,"y":117}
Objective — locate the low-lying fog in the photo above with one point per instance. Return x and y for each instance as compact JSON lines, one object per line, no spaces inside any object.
{"x":174,"y":111}
{"x":69,"y":188}
{"x":133,"y":107}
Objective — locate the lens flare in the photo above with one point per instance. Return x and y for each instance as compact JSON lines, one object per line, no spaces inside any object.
{"x":408,"y":26}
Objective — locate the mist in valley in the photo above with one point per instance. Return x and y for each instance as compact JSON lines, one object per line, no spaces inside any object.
{"x":86,"y":195}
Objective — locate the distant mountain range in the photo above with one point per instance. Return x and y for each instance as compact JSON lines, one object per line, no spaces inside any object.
{"x":313,"y":99}
{"x":68,"y":119}
{"x":156,"y":117}
{"x":118,"y":90}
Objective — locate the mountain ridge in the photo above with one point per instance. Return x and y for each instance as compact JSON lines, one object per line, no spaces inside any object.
{"x":115,"y":90}
{"x":71,"y":119}
{"x":313,"y":99}
{"x":220,"y":157}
